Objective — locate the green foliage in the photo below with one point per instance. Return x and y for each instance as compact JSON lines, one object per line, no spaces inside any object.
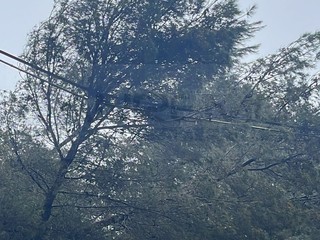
{"x":144,"y":124}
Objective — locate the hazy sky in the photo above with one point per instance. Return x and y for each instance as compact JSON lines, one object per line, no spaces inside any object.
{"x":285,"y":21}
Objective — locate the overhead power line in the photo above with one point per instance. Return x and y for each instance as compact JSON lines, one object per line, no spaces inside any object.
{"x":51,"y":74}
{"x":41,"y":79}
{"x":280,"y":128}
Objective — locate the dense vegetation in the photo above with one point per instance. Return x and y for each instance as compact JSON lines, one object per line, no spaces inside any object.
{"x":139,"y":120}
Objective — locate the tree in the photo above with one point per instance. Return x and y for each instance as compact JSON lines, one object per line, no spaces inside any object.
{"x":139,"y":121}
{"x":247,"y":165}
{"x":96,"y":69}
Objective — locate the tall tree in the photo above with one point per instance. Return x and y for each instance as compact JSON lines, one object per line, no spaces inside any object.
{"x":136,"y":120}
{"x":96,"y":69}
{"x":246,"y":164}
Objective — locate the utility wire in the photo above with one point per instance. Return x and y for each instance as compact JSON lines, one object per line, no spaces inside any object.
{"x":41,"y":79}
{"x":281,"y":128}
{"x":83,"y":88}
{"x":254,"y":125}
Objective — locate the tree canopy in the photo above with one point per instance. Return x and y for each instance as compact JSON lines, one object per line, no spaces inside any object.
{"x":139,"y":120}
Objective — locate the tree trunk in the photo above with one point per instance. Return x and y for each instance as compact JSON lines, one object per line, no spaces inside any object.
{"x":50,"y":198}
{"x":60,"y":176}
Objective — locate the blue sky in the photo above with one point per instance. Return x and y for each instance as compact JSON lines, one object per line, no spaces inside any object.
{"x":285,"y":21}
{"x":17,"y":19}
